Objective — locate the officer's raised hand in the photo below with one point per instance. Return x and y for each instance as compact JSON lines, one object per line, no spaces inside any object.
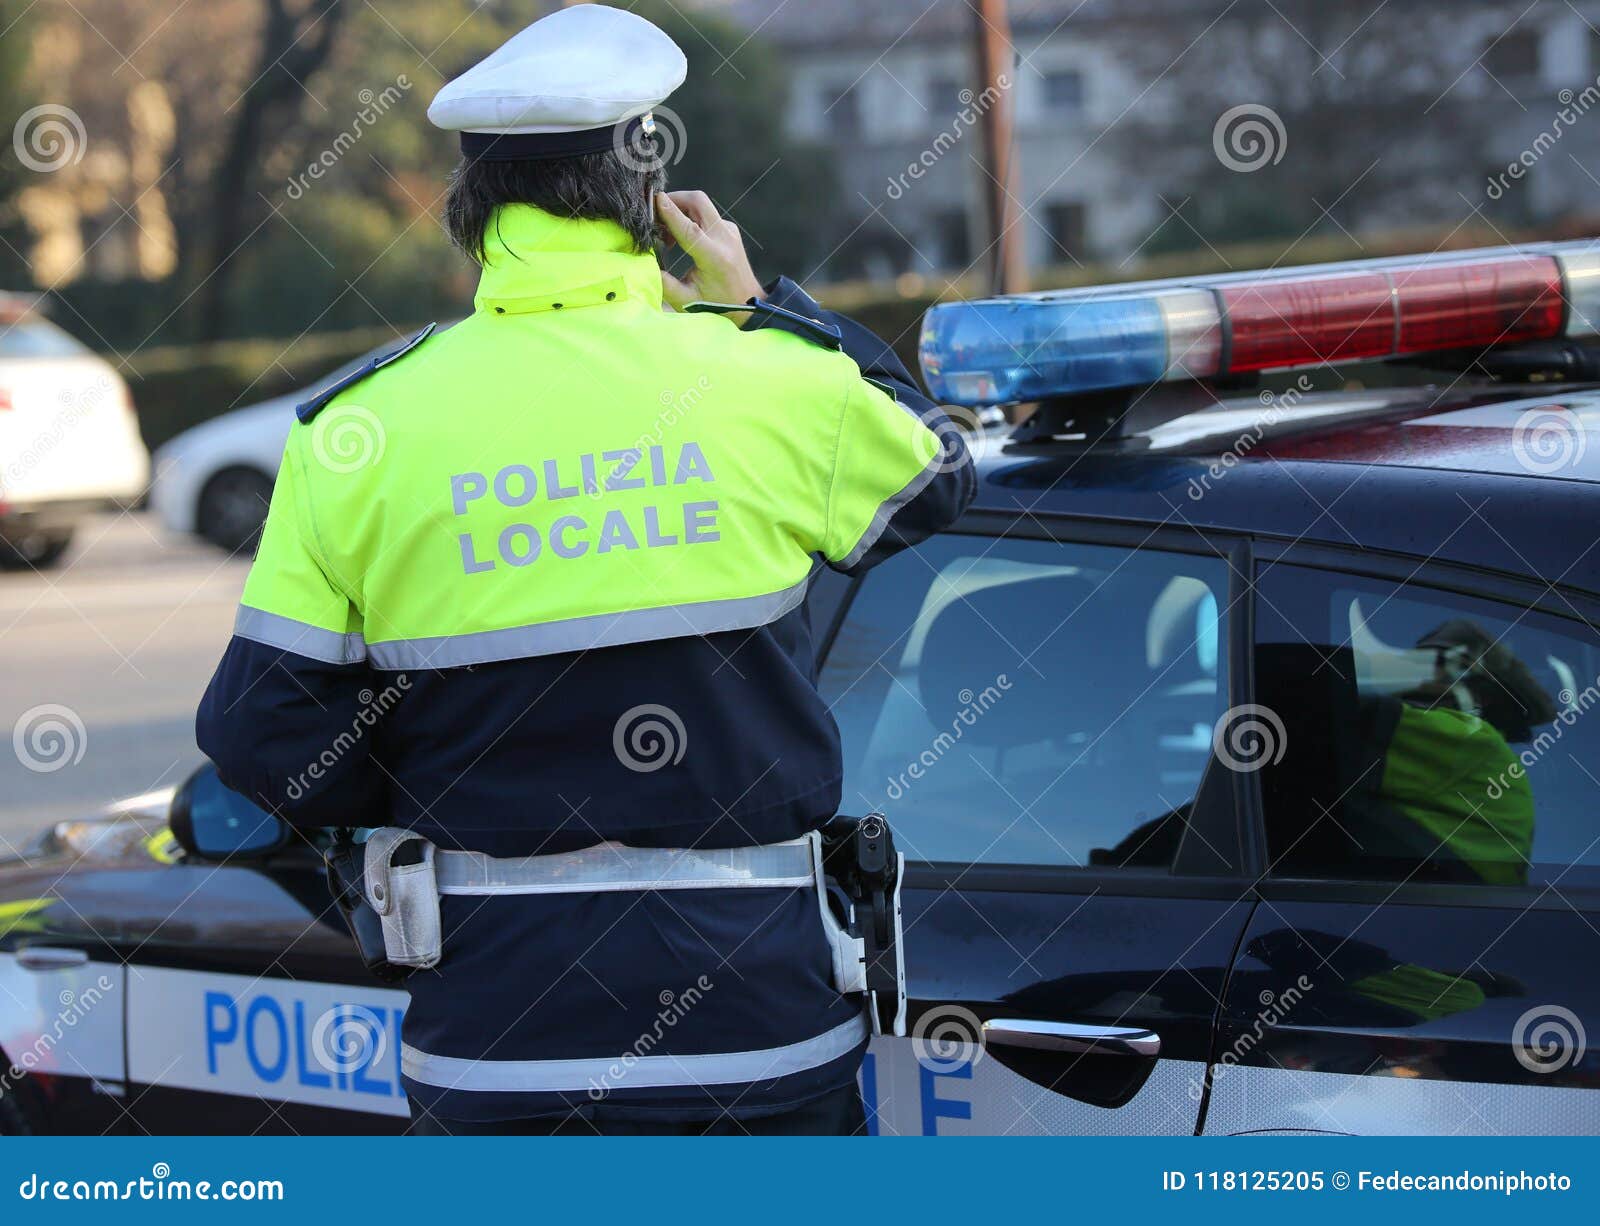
{"x":721,"y":271}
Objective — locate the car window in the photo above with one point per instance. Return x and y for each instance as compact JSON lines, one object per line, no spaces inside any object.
{"x":1030,"y":702}
{"x":1425,"y":736}
{"x":31,"y":337}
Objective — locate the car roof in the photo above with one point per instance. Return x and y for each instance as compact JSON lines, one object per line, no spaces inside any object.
{"x":1499,"y":477}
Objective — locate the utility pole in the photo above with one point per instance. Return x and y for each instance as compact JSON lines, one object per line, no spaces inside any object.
{"x":1008,"y":273}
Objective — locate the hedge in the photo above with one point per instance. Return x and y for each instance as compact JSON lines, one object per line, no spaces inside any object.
{"x":178,"y":386}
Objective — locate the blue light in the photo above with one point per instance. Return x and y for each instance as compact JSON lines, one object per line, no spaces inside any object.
{"x":1001,"y":351}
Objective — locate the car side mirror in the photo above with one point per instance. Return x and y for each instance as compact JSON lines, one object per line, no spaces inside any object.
{"x":213,"y":822}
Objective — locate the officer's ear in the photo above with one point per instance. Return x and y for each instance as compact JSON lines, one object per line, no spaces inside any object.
{"x":664,"y":239}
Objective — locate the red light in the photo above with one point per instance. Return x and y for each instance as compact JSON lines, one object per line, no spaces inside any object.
{"x":1473,"y":306}
{"x":1288,"y":322}
{"x":5,"y":398}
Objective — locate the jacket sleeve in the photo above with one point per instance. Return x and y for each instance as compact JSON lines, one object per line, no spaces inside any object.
{"x":901,"y":469}
{"x":291,"y":715}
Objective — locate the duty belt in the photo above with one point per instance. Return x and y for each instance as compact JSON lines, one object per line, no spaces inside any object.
{"x":400,"y":876}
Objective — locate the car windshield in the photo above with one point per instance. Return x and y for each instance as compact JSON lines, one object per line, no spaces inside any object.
{"x":32,"y":337}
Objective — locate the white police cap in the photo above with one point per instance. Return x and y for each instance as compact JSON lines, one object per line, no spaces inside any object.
{"x":562,"y":87}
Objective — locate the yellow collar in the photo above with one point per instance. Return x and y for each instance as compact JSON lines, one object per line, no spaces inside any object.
{"x":534,"y":261}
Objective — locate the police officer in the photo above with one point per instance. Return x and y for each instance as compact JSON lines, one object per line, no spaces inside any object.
{"x":1440,"y":787}
{"x":530,"y":604}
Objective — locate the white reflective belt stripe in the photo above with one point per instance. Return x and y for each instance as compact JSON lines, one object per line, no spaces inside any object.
{"x":588,"y":632}
{"x":301,"y":638}
{"x":552,"y":1076}
{"x":613,"y":866}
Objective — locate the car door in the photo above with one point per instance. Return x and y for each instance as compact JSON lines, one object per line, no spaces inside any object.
{"x":1032,"y":704}
{"x":1420,"y":961}
{"x":62,"y":1064}
{"x":246,"y":1002}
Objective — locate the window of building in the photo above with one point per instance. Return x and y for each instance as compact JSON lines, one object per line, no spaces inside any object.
{"x":953,"y":237}
{"x":944,"y":98}
{"x":1514,"y":56}
{"x":1030,"y":702}
{"x":1426,"y":737}
{"x":1064,"y":91}
{"x":1066,"y":223}
{"x":841,"y":110}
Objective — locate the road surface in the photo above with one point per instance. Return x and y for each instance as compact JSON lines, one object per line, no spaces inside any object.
{"x":102,"y":661}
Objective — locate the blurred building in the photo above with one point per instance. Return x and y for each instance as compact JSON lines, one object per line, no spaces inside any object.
{"x":1395,"y":116}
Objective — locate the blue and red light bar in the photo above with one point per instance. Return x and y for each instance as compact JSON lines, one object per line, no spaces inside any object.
{"x":1037,"y":346}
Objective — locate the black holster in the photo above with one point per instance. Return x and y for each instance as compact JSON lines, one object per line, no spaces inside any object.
{"x":860,"y":861}
{"x":345,"y":862}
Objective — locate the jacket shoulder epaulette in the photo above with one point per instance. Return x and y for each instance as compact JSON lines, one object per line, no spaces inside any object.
{"x":765,"y":314}
{"x":308,"y":409}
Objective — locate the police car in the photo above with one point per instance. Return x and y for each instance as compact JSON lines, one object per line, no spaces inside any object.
{"x":1241,"y":739}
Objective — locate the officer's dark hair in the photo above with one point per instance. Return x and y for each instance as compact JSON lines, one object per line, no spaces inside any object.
{"x":598,"y":186}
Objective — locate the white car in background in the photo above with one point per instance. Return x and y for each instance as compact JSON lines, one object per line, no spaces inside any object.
{"x":216,"y":479}
{"x":69,"y":439}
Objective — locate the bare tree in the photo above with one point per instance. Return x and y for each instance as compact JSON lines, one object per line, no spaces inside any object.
{"x":1277,"y":118}
{"x":295,"y":42}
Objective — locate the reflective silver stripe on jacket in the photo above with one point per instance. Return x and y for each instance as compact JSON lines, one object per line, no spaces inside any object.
{"x":555,"y":1076}
{"x":889,"y":507}
{"x":613,"y":866}
{"x":313,"y":642}
{"x":587,"y":633}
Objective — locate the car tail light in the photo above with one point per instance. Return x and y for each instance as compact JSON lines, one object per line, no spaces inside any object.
{"x":1046,"y":345}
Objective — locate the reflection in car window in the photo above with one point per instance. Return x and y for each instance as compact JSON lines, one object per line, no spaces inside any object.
{"x":37,"y":338}
{"x":1428,"y":737}
{"x":1030,"y":702}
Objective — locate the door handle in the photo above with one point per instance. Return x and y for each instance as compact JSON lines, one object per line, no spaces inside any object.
{"x":1071,"y":1037}
{"x":50,"y":957}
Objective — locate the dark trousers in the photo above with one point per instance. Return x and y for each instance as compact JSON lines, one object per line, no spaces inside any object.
{"x":836,"y":1114}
